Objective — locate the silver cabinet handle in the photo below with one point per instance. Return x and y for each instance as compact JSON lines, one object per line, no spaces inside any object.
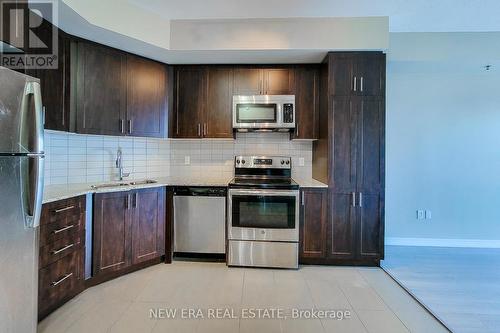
{"x":199,"y":129}
{"x":122,"y":126}
{"x":43,"y":117}
{"x":297,"y":130}
{"x":127,"y":202}
{"x":205,"y":129}
{"x":55,"y":283}
{"x":355,"y":84}
{"x":62,"y":249}
{"x":361,"y":84}
{"x":130,"y":124}
{"x":63,"y":209}
{"x":63,"y":229}
{"x":303,"y":200}
{"x":135,"y":199}
{"x":353,"y":196}
{"x":360,"y":199}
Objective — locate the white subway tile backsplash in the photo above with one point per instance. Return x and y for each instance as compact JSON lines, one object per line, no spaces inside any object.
{"x":73,"y":158}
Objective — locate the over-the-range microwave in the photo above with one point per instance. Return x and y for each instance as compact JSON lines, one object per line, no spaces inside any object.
{"x":264,"y":112}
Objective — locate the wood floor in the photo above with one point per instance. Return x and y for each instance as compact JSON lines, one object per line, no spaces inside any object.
{"x":375,"y":302}
{"x":461,"y":286}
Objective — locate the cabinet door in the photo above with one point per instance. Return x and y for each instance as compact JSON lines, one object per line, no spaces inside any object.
{"x":306,"y":103}
{"x":341,"y":74}
{"x":54,"y":83}
{"x":369,"y":70}
{"x":370,"y":175}
{"x":218,"y":114}
{"x":341,"y":231}
{"x":278,"y":81}
{"x":248,"y":81}
{"x":112,"y":232}
{"x":343,"y":170}
{"x":370,"y":221}
{"x":101,"y":90}
{"x":148,"y":227}
{"x":313,"y":223}
{"x":146,"y":97}
{"x":190,"y":98}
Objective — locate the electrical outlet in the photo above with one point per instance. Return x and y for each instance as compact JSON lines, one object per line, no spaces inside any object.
{"x":428,"y":215}
{"x":187,"y":160}
{"x":420,"y":214}
{"x":301,"y":161}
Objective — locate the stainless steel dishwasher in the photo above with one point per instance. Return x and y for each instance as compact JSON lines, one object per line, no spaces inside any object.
{"x":200,"y":220}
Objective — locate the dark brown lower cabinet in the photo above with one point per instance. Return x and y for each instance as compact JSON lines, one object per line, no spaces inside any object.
{"x":129,"y":229}
{"x":313,"y":224}
{"x":62,"y":253}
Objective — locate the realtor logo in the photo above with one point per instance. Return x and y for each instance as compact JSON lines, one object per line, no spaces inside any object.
{"x":28,"y":34}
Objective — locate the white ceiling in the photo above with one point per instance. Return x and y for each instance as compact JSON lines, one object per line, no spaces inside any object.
{"x":404,"y":15}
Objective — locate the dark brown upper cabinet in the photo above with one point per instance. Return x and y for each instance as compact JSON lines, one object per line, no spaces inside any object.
{"x":248,"y":81}
{"x":218,"y":113}
{"x":313,"y":224}
{"x":55,"y":82}
{"x":101,"y":90}
{"x":357,"y":73}
{"x":119,"y":93}
{"x":263,"y":81}
{"x":306,"y":102}
{"x":190,"y":101}
{"x":203,"y":102}
{"x":146,"y":97}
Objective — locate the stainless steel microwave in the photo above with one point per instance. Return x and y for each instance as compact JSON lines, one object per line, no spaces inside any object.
{"x":264,"y":112}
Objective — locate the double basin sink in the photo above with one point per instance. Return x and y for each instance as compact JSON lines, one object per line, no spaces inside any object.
{"x":120,"y":184}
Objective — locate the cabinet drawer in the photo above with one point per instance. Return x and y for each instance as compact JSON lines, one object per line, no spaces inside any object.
{"x":59,"y":248}
{"x":59,"y":280}
{"x":61,"y":229}
{"x":62,"y":210}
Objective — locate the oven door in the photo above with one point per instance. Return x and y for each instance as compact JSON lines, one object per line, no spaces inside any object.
{"x":267,"y":215}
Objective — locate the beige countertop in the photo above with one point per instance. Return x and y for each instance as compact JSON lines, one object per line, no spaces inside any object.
{"x":60,"y":192}
{"x":309,"y":183}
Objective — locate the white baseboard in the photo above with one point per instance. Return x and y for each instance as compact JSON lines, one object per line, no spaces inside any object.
{"x":443,"y":242}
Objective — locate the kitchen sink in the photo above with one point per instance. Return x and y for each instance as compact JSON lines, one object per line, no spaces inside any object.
{"x":120,"y":184}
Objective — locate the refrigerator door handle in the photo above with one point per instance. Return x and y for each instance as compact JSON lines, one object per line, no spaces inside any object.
{"x":33,"y":173}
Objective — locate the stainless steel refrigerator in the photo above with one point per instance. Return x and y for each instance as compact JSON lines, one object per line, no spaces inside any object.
{"x":21,"y":190}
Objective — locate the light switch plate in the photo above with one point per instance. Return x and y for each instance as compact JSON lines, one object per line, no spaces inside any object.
{"x":420,"y":214}
{"x":301,"y":161}
{"x":187,"y":160}
{"x":428,"y":215}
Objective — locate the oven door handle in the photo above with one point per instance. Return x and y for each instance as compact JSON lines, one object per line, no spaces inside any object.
{"x":293,"y":193}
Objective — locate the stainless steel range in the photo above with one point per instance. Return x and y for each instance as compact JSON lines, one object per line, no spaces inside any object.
{"x":263,"y":213}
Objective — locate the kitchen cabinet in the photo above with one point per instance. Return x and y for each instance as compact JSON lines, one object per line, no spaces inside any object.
{"x":148,"y":227}
{"x":306,"y":103}
{"x":119,"y":93}
{"x":357,"y":73}
{"x":190,"y":101}
{"x":350,"y":157}
{"x":218,"y":120}
{"x":55,"y":83}
{"x":248,"y":81}
{"x":263,"y":81}
{"x":146,"y":97}
{"x":129,"y":229}
{"x":313,"y":224}
{"x":203,"y":102}
{"x":101,"y":90}
{"x":62,"y":253}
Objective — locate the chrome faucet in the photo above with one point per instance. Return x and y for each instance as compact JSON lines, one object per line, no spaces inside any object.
{"x":119,"y":165}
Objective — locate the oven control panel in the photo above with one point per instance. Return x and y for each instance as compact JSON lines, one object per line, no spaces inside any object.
{"x":270,"y":162}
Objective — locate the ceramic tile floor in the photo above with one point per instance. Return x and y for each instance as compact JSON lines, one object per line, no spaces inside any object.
{"x":375,"y":302}
{"x":459,"y":285}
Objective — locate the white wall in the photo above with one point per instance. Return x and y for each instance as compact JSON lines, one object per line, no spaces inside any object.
{"x":443,"y":136}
